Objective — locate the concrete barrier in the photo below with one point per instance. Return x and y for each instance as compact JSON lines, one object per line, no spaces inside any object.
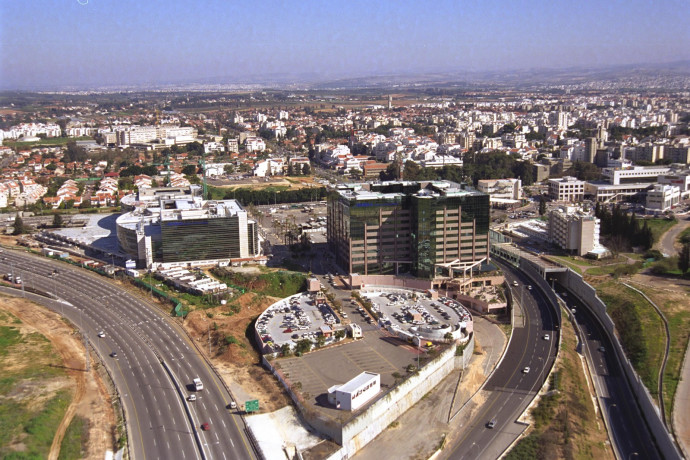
{"x":362,"y":429}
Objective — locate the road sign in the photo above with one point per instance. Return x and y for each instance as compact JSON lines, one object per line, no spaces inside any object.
{"x":251,"y":405}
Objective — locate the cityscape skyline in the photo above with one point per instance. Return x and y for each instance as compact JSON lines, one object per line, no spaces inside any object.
{"x":86,"y":43}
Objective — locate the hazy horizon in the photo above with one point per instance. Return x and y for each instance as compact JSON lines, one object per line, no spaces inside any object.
{"x":99,"y":43}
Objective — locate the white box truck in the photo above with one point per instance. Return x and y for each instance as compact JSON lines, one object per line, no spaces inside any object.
{"x":198,"y":386}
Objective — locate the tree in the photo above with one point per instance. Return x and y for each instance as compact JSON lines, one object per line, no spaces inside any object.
{"x":542,"y":205}
{"x":189,"y":170}
{"x":19,"y":227}
{"x":228,"y":169}
{"x":57,"y":221}
{"x":306,"y":170}
{"x":684,"y":259}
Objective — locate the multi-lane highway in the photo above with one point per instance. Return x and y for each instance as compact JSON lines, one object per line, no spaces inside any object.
{"x":137,"y":340}
{"x":626,"y":424}
{"x":510,"y":389}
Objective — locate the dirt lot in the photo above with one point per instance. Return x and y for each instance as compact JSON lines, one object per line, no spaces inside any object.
{"x":294,"y":183}
{"x":90,"y":399}
{"x":233,"y":352}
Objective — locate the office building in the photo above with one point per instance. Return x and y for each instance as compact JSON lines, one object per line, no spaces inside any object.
{"x":428,"y":229}
{"x":501,"y":189}
{"x":179,"y":228}
{"x":567,"y":188}
{"x":636,"y":174}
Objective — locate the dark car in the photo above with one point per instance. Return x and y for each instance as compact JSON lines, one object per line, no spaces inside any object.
{"x":491,"y":424}
{"x":205,"y":426}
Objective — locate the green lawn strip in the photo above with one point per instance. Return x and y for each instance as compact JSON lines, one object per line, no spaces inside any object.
{"x":75,"y":440}
{"x":640,"y":329}
{"x":658,"y":226}
{"x":49,"y":141}
{"x":276,"y":283}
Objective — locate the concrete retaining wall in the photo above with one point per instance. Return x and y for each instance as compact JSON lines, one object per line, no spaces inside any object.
{"x":361,"y":430}
{"x":587,"y":294}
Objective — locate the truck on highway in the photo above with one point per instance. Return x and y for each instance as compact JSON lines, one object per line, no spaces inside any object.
{"x":198,"y":386}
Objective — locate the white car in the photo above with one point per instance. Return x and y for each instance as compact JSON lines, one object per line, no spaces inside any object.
{"x":191,"y":398}
{"x":526,"y":370}
{"x":101,"y":334}
{"x":547,"y":336}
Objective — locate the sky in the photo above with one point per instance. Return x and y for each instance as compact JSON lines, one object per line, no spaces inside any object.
{"x":82,"y":43}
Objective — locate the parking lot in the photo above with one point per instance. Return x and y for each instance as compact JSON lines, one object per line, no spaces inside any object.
{"x":312,"y":374}
{"x":295,"y":318}
{"x":418,"y":314}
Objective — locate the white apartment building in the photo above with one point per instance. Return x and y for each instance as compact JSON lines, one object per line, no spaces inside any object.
{"x":636,"y":174}
{"x":576,"y":231}
{"x":567,"y":188}
{"x":255,"y":144}
{"x":662,"y":198}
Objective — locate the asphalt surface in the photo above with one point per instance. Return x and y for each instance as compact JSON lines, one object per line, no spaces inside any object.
{"x":619,"y":406}
{"x":159,"y":426}
{"x":667,"y":243}
{"x":510,"y":390}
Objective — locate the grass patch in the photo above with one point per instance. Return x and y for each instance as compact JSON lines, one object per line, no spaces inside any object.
{"x":616,"y":270}
{"x":640,"y":329}
{"x":277,"y":283}
{"x":678,"y":317}
{"x":658,"y":226}
{"x":50,"y":141}
{"x":29,"y":415}
{"x":75,"y":440}
{"x":684,"y":236}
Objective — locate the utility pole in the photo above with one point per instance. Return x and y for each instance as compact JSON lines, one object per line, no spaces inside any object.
{"x":86,"y":351}
{"x":209,"y":339}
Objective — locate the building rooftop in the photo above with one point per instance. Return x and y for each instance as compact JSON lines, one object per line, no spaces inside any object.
{"x":357,"y":382}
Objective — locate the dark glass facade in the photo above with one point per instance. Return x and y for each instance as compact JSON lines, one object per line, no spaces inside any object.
{"x":401,"y":227}
{"x":200,"y":239}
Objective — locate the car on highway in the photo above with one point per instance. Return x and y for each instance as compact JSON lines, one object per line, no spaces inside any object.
{"x":205,"y":426}
{"x":529,"y":287}
{"x":515,"y":283}
{"x":113,"y":354}
{"x":491,"y":423}
{"x":547,"y":336}
{"x":191,"y":398}
{"x":101,"y":334}
{"x":602,"y":349}
{"x":525,"y":370}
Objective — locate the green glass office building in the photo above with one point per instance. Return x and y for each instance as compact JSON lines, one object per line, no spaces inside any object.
{"x":427,"y":229}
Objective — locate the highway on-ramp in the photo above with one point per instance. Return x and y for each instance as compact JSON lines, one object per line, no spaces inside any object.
{"x":510,"y":389}
{"x":161,"y":423}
